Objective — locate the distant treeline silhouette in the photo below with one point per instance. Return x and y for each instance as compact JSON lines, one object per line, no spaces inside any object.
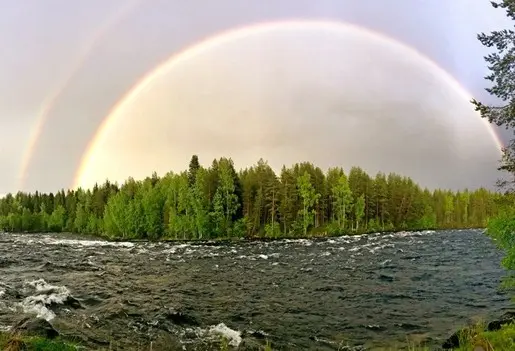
{"x":218,"y":202}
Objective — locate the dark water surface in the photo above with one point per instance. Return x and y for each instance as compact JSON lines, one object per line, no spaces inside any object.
{"x":299,"y":294}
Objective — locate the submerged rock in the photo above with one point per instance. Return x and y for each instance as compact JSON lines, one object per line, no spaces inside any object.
{"x":250,"y":345}
{"x":258,"y":334}
{"x":72,"y":302}
{"x":454,"y":340}
{"x":35,"y":327}
{"x":352,"y":348}
{"x":507,"y":318}
{"x":180,"y":318}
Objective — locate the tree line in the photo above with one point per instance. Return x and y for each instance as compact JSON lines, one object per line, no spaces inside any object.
{"x":218,"y":202}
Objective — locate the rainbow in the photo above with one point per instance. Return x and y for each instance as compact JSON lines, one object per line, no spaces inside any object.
{"x":240,"y":33}
{"x":49,"y":103}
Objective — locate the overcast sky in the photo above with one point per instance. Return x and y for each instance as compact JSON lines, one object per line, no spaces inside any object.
{"x":80,"y":57}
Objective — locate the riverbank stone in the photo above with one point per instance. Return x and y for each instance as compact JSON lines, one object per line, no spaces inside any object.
{"x":506,"y":318}
{"x":34,"y":327}
{"x":180,"y":318}
{"x":454,"y":340}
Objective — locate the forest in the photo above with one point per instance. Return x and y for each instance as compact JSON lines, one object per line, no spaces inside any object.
{"x":219,"y":202}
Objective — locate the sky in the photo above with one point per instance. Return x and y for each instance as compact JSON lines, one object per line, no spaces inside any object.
{"x":69,"y":63}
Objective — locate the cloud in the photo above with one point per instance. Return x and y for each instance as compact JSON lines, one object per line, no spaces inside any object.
{"x":338,"y":98}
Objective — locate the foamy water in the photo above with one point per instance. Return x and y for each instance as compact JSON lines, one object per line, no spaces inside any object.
{"x":45,"y":296}
{"x":298,"y":293}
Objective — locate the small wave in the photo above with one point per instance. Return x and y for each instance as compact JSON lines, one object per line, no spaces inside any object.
{"x":408,"y":326}
{"x":258,"y":334}
{"x":174,"y":248}
{"x":48,"y":295}
{"x":386,"y":278}
{"x":189,"y":251}
{"x":48,"y":240}
{"x":374,"y":249}
{"x":420,"y":277}
{"x":233,"y":336}
{"x":90,"y":243}
{"x":385,"y":262}
{"x":375,"y":327}
{"x":213,"y":333}
{"x":305,"y":242}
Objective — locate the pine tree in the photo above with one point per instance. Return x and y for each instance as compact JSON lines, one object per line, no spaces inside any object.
{"x":193,"y":169}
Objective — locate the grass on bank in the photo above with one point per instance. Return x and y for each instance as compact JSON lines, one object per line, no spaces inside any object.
{"x":17,"y":343}
{"x":477,"y":338}
{"x":499,"y":340}
{"x":470,"y":339}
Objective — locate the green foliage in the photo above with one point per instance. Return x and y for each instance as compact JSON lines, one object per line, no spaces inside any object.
{"x":475,"y":336}
{"x":13,"y":343}
{"x":501,"y":63}
{"x":57,"y":219}
{"x":200,"y":203}
{"x":193,"y":170}
{"x":502,"y":229}
{"x":342,"y":200}
{"x":359,"y":209}
{"x":226,"y":194}
{"x":272,"y":230}
{"x":239,"y":228}
{"x":309,"y":197}
{"x":217,"y":202}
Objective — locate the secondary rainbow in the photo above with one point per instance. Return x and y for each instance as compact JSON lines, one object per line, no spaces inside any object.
{"x":255,"y":29}
{"x":49,"y":103}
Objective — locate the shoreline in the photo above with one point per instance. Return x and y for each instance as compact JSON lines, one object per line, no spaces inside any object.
{"x":498,"y":334}
{"x":231,"y":240}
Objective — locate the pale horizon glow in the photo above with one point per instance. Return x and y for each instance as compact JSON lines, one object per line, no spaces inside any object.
{"x":145,"y":114}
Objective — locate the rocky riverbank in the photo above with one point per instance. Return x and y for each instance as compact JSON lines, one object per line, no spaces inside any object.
{"x":484,"y":335}
{"x":32,"y":333}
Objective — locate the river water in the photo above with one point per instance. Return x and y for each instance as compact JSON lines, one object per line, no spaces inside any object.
{"x":378,"y":289}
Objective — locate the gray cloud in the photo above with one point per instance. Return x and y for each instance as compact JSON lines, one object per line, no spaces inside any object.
{"x":333,"y":98}
{"x":40,"y":41}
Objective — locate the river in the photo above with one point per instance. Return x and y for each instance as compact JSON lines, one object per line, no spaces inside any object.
{"x":378,"y":289}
